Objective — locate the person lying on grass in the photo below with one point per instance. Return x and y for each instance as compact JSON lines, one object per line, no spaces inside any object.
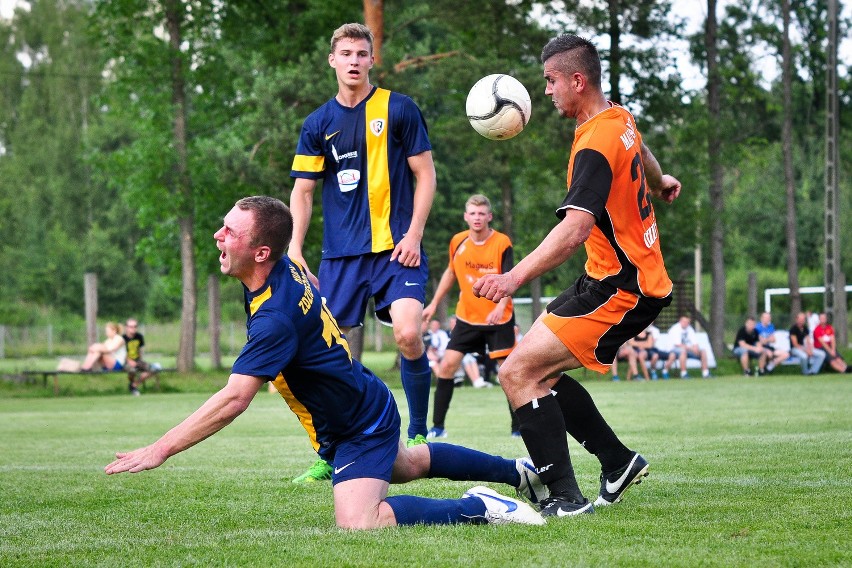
{"x":349,"y":414}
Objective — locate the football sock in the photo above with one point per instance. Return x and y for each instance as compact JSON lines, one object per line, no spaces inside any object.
{"x":416,"y":381}
{"x":515,"y":426}
{"x":543,"y":431}
{"x":464,"y":464}
{"x":411,"y":510}
{"x":443,"y":395}
{"x":585,"y":424}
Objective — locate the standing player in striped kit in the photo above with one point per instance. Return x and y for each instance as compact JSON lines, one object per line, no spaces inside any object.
{"x":370,"y":148}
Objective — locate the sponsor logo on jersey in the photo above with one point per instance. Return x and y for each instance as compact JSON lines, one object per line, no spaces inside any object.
{"x":651,"y":235}
{"x":338,"y":157}
{"x":332,"y":135}
{"x":377,"y":126}
{"x":348,"y":179}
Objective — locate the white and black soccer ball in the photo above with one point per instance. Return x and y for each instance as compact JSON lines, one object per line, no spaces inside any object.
{"x":498,"y":107}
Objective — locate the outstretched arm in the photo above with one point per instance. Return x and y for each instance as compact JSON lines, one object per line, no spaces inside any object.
{"x":219,"y":411}
{"x":557,"y":247}
{"x":661,"y":186}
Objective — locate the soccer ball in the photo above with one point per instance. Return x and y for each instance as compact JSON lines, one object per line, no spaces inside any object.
{"x":498,"y":107}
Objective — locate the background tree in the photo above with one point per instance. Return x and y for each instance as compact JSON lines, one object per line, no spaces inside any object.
{"x":717,"y":196}
{"x":787,"y":147}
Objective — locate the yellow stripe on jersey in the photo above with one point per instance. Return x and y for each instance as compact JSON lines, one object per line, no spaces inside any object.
{"x":378,"y":174}
{"x":308,"y":163}
{"x":259,"y":299}
{"x":298,"y":408}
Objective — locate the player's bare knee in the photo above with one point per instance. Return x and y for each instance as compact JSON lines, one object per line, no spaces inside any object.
{"x":410,"y":342}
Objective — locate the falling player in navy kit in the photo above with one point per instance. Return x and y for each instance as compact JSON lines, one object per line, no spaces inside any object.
{"x":370,"y":148}
{"x":349,"y":414}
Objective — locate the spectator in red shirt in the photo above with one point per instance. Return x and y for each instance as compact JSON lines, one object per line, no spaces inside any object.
{"x":824,"y":339}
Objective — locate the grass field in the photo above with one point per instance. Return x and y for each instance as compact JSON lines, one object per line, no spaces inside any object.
{"x":744,"y":472}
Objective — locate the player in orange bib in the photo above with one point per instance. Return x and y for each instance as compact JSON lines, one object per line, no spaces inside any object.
{"x":611,"y":178}
{"x":481,"y":326}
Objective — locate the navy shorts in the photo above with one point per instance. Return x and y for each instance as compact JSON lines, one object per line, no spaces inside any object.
{"x":349,"y":282}
{"x":370,"y":454}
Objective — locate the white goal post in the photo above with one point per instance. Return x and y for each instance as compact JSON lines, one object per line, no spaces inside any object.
{"x":769,"y":292}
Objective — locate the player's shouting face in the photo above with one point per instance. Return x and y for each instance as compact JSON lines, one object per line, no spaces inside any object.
{"x":352,"y":60}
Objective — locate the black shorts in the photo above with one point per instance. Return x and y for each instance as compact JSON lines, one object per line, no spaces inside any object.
{"x":498,"y":339}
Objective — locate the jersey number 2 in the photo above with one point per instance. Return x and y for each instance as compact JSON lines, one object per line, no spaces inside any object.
{"x":638,"y":172}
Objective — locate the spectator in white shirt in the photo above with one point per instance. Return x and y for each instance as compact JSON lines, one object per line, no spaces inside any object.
{"x":685,"y":343}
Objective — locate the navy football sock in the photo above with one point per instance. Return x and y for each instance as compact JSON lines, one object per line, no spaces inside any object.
{"x":416,"y":381}
{"x":464,"y":464}
{"x":411,"y":510}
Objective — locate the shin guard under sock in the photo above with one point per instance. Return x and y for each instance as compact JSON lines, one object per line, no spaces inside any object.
{"x":543,"y":431}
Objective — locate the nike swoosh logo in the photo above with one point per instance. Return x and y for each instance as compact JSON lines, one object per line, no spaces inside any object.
{"x":510,"y":506}
{"x":613,"y":487}
{"x":407,"y":283}
{"x":561,"y":513}
{"x":330,"y":136}
{"x":339,"y":469}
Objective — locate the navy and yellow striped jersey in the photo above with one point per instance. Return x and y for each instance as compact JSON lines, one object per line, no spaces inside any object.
{"x":294,"y":341}
{"x":361,"y":154}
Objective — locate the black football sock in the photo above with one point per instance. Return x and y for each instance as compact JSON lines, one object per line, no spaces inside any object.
{"x":443,"y":396}
{"x":585,"y":424}
{"x":543,"y":431}
{"x":515,"y":426}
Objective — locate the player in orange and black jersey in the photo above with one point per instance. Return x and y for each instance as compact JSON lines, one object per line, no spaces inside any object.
{"x":481,"y":327}
{"x":611,"y":178}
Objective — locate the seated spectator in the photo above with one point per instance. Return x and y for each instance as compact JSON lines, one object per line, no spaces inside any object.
{"x":625,"y":353}
{"x":685,"y":343}
{"x":766,"y":331}
{"x":109,"y":355}
{"x":802,"y":346}
{"x":747,"y":347}
{"x":138,"y":370}
{"x":437,"y":344}
{"x":824,"y":339}
{"x":646,"y":354}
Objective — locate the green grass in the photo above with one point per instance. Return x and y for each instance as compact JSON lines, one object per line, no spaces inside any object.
{"x":744,"y":472}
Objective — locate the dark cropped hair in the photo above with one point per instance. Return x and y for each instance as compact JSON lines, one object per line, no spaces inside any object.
{"x":575,"y":54}
{"x":273,"y":223}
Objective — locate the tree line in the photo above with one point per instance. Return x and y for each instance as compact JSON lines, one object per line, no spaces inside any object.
{"x":128,"y":128}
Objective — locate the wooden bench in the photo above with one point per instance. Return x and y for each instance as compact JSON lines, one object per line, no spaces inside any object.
{"x":45,"y":375}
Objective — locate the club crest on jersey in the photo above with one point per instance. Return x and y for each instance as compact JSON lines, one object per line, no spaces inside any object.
{"x":377,"y":126}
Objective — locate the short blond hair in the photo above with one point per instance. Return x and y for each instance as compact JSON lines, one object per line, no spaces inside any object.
{"x":477,"y":200}
{"x":351,"y":31}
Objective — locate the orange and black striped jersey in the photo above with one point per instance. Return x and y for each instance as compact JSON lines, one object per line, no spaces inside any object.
{"x":606,"y":178}
{"x":469,"y":261}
